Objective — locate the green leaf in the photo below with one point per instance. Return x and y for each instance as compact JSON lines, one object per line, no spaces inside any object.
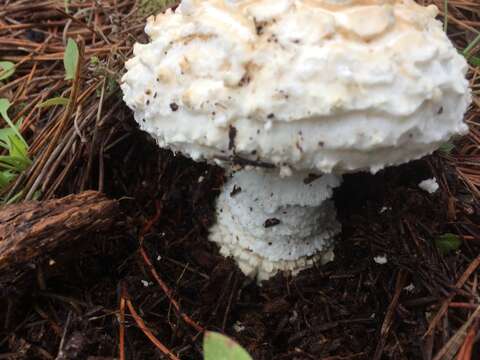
{"x":18,"y":147}
{"x":219,"y":347}
{"x":70,"y":59}
{"x":7,"y":69}
{"x":5,"y":135}
{"x":14,"y":163}
{"x":447,"y":243}
{"x":6,"y":178}
{"x":19,"y":153}
{"x":4,"y":106}
{"x":447,"y":147}
{"x":54,"y":102}
{"x":10,"y":141}
{"x":17,"y":160}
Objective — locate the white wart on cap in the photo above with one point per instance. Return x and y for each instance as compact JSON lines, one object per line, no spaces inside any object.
{"x":314,"y":85}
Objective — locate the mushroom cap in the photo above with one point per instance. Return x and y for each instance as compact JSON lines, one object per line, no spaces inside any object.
{"x":304,"y":85}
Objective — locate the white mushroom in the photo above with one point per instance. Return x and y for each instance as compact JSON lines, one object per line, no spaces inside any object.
{"x":289,"y":88}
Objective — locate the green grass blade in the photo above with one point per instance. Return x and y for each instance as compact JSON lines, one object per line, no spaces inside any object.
{"x":471,"y":46}
{"x":70,"y":59}
{"x":445,"y":19}
{"x":57,"y":101}
{"x":7,"y":69}
{"x":14,"y":198}
{"x":4,"y":106}
{"x":6,"y":178}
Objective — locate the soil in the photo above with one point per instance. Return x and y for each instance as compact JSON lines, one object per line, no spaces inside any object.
{"x":333,"y":312}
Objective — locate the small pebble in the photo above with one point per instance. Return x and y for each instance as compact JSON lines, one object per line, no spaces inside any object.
{"x":381,"y":259}
{"x":429,"y":185}
{"x":238,"y":327}
{"x":384,"y":209}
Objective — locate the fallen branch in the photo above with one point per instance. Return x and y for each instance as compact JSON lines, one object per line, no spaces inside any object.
{"x":33,"y":231}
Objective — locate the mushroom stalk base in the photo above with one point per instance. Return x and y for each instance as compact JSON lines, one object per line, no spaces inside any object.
{"x":269,"y":224}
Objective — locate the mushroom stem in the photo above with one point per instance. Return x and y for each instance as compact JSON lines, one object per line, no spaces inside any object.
{"x":268,"y":223}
